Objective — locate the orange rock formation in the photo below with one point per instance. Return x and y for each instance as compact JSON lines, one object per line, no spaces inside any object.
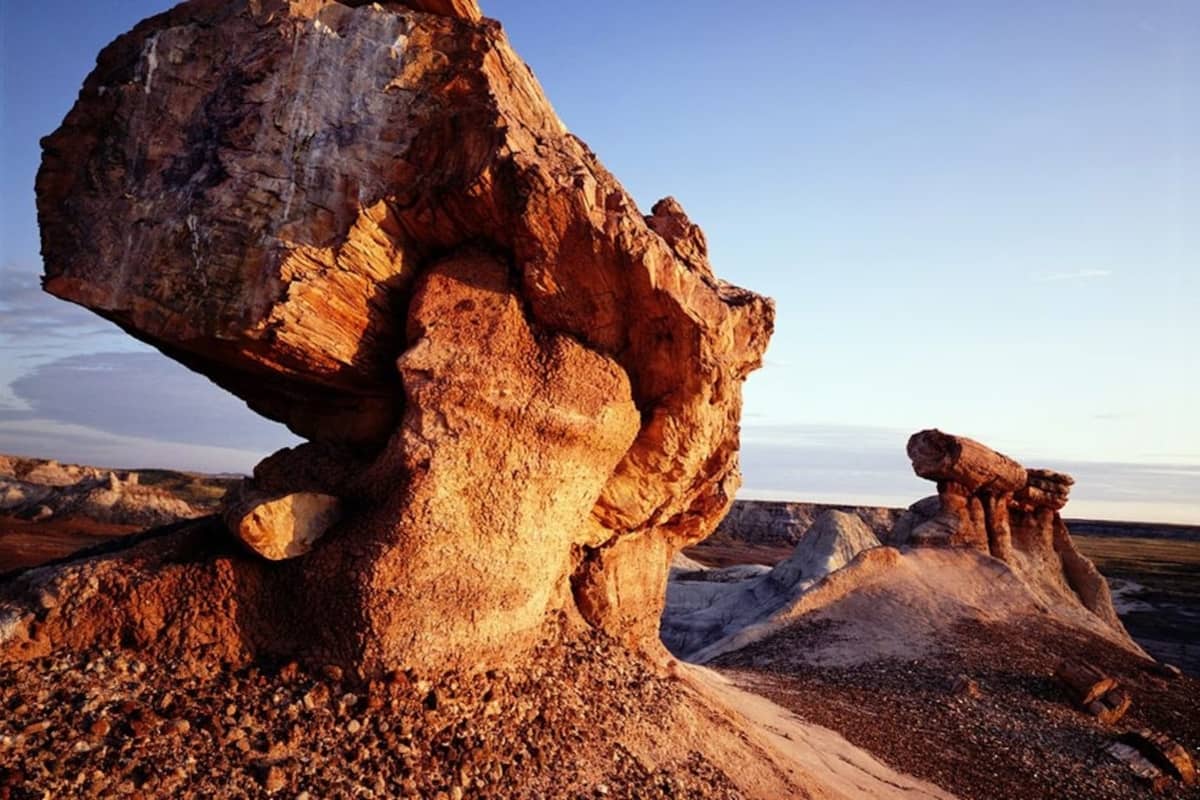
{"x":368,"y":222}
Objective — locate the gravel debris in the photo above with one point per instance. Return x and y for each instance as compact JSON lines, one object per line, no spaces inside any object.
{"x":81,"y":727}
{"x":983,"y":717}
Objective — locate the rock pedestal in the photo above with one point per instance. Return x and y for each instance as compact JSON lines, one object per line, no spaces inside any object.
{"x":367,"y":221}
{"x":989,"y":502}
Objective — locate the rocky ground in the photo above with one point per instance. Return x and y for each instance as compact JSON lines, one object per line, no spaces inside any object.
{"x":111,"y":726}
{"x":1019,"y":738}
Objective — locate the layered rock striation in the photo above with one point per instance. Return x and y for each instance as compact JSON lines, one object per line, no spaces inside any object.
{"x":366,"y":220}
{"x":988,"y":502}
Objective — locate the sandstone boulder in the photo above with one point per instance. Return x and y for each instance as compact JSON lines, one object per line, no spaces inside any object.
{"x":367,"y":221}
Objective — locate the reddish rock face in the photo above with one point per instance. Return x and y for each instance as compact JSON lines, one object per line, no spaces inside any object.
{"x":989,"y":502}
{"x":368,"y":222}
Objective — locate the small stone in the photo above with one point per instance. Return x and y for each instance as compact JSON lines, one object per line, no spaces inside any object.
{"x":36,"y":728}
{"x":275,"y":779}
{"x":180,"y":726}
{"x":354,"y":726}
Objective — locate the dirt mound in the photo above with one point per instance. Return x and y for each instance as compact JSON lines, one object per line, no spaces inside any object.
{"x":780,"y":523}
{"x":49,"y":510}
{"x":704,"y":609}
{"x":892,"y":604}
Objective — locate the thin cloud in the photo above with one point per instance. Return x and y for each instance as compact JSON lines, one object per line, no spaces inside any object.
{"x":145,"y":396}
{"x":76,"y":444}
{"x":30,"y":319}
{"x":868,"y":465}
{"x":1077,"y":275}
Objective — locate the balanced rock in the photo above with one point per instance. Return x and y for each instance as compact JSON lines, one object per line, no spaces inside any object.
{"x":989,"y":502}
{"x":367,"y":221}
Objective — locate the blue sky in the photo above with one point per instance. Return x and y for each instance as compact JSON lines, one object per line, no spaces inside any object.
{"x":973,"y":215}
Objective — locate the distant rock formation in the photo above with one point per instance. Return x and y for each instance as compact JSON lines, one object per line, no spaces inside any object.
{"x":38,"y":490}
{"x":785,"y":523}
{"x":988,"y":502}
{"x":368,"y":222}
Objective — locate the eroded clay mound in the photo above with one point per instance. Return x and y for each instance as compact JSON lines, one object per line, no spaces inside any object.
{"x":704,"y":610}
{"x":521,"y":395}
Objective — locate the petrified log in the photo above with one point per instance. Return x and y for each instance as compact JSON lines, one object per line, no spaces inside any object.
{"x":278,"y":528}
{"x":1045,"y":489}
{"x":1166,"y":753}
{"x":1111,"y":707}
{"x":1084,"y":683}
{"x":940,"y":457}
{"x":367,"y":222}
{"x":1139,"y":765}
{"x":1165,"y":670}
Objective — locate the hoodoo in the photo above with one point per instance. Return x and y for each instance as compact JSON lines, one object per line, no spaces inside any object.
{"x":988,"y":502}
{"x":365,"y":219}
